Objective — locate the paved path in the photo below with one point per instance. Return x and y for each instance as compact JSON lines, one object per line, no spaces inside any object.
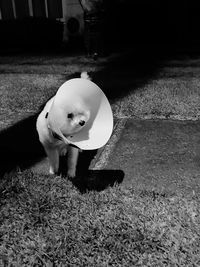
{"x":158,"y":154}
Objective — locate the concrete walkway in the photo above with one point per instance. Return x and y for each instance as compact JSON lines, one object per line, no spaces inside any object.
{"x":155,"y":154}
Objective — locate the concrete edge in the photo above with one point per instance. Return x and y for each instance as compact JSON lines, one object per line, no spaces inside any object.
{"x":103,"y":154}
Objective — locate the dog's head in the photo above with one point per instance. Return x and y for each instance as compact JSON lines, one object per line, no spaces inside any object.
{"x":68,"y":119}
{"x":75,"y":120}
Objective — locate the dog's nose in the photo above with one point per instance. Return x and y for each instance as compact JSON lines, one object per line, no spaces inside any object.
{"x":82,"y":123}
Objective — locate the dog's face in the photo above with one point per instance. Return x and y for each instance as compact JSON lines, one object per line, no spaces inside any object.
{"x":75,"y":121}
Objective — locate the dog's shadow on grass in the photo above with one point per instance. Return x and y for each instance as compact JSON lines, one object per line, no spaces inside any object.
{"x":88,"y":179}
{"x":98,"y":180}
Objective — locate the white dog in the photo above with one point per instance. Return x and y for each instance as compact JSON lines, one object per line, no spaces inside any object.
{"x":76,"y":116}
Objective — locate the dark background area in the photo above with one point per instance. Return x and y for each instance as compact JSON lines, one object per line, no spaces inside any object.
{"x":164,"y":24}
{"x":168,"y":25}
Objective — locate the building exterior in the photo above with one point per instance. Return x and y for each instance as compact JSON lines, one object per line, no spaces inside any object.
{"x":69,"y":12}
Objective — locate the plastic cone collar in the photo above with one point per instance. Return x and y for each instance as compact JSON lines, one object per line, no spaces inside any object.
{"x":86,"y":94}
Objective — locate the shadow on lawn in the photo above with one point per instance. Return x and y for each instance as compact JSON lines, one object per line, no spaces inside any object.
{"x":20,"y":146}
{"x":129,"y":70}
{"x":87,"y":179}
{"x":20,"y":149}
{"x":126,"y":73}
{"x":98,"y":180}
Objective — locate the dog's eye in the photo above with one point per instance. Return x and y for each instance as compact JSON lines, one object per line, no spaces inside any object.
{"x":70,"y":115}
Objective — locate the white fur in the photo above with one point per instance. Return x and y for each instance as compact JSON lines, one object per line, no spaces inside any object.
{"x":54,"y":147}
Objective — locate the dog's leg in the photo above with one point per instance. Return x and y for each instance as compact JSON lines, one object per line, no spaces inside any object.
{"x":72,"y":160}
{"x":53,"y":157}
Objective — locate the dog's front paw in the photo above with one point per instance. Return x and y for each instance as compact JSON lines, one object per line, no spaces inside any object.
{"x":52,"y":171}
{"x":71,"y":174}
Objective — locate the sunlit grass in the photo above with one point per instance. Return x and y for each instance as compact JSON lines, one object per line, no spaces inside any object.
{"x":175,"y":98}
{"x":46,"y":221}
{"x":27,"y":92}
{"x":172,"y":92}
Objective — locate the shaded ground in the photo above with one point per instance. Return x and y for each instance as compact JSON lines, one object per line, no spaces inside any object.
{"x":158,"y":154}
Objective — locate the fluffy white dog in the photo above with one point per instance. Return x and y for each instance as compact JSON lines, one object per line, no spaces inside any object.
{"x":79,"y":116}
{"x":75,"y":118}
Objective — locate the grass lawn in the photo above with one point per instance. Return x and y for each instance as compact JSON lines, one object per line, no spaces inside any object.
{"x":175,"y":98}
{"x":46,"y":221}
{"x":172,"y":91}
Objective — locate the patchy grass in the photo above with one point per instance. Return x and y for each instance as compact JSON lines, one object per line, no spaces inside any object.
{"x":172,"y":92}
{"x":176,"y":98}
{"x":49,"y":63}
{"x":45,"y":221}
{"x":28,"y":91}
